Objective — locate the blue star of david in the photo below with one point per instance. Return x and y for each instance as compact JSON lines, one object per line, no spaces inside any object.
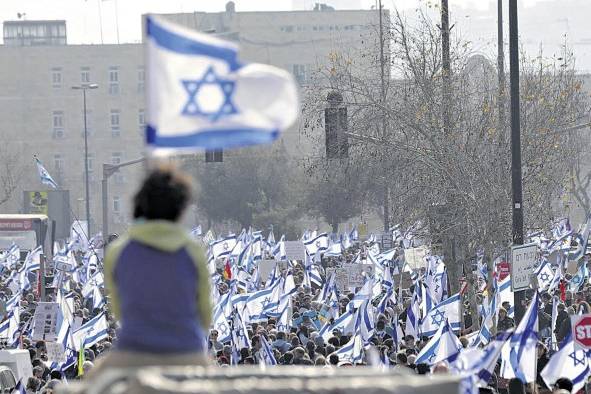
{"x":577,"y":361}
{"x":223,"y":328}
{"x":437,"y":318}
{"x":266,"y":302}
{"x":431,"y":357}
{"x":544,"y":276}
{"x":192,"y":87}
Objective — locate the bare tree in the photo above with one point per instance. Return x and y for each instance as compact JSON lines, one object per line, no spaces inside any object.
{"x":11,"y":172}
{"x":457,"y":183}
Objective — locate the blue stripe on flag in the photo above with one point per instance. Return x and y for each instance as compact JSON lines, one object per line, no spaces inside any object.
{"x":181,"y":44}
{"x":213,"y":139}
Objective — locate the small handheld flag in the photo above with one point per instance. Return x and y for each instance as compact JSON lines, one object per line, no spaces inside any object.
{"x":46,"y":179}
{"x":201,"y":96}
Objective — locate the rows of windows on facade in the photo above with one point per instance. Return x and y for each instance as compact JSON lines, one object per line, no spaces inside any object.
{"x":60,"y":166}
{"x":320,"y":28}
{"x":114,"y":83}
{"x":114,"y":123}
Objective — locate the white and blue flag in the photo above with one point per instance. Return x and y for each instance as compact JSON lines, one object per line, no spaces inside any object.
{"x":199,"y":95}
{"x":519,"y":353}
{"x":92,"y":332}
{"x":569,"y":362}
{"x":443,"y":346}
{"x":266,"y":353}
{"x":46,"y":179}
{"x":316,"y":244}
{"x":223,"y":247}
{"x":449,"y":310}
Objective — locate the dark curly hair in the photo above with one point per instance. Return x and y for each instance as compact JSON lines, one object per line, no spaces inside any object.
{"x":164,"y":195}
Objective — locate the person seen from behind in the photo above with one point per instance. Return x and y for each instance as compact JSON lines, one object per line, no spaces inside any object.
{"x":158,"y":281}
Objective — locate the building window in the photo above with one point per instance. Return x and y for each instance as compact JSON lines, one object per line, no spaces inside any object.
{"x":141,"y":79}
{"x":116,"y":159}
{"x":58,"y":124}
{"x":58,"y":164}
{"x":141,"y":119}
{"x":56,"y":77}
{"x":115,"y":118}
{"x":286,"y":29}
{"x":90,"y":160}
{"x":299,"y":72}
{"x":85,"y":74}
{"x":116,"y":205}
{"x":113,"y":80}
{"x":89,"y":122}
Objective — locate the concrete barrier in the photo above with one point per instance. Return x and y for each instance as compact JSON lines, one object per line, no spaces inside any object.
{"x":247,"y":380}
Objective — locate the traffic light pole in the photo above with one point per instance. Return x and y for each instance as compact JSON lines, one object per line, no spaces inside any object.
{"x":108,"y":170}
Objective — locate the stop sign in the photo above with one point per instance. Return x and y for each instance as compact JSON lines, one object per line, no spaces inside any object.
{"x":581,"y":326}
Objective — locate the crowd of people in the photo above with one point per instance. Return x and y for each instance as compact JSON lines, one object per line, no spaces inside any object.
{"x":133,"y":308}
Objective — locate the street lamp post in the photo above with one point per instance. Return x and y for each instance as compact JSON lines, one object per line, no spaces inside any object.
{"x":84,"y":87}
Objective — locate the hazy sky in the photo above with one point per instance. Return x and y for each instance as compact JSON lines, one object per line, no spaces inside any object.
{"x":541,"y":21}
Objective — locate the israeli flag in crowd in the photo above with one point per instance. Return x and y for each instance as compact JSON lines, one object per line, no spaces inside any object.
{"x":580,"y":277}
{"x":266,"y":353}
{"x":443,"y":346}
{"x":519,"y":353}
{"x":582,"y":241}
{"x":506,"y":295}
{"x":449,"y":310}
{"x":352,"y":351}
{"x":46,"y":179}
{"x":278,"y":249}
{"x":223,"y":247}
{"x":569,"y":362}
{"x":12,"y":256}
{"x":316,"y":244}
{"x":545,"y":275}
{"x":92,"y":332}
{"x":199,"y":95}
{"x":412,"y":317}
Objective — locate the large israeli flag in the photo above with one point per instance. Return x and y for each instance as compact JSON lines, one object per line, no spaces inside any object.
{"x":448,"y":309}
{"x":443,"y":346}
{"x":569,"y":362}
{"x":519,"y":354}
{"x":199,"y":95}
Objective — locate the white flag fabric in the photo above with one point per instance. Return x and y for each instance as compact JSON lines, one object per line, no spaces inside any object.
{"x":448,"y":309}
{"x":199,"y":95}
{"x":44,"y":176}
{"x":506,"y":295}
{"x":444,"y":346}
{"x":519,"y":353}
{"x":91,"y":332}
{"x":569,"y":362}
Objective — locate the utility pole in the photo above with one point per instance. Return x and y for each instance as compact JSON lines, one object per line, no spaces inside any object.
{"x":84,"y":87}
{"x":516,"y":183}
{"x":446,"y":66}
{"x":500,"y":71}
{"x":386,"y":197}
